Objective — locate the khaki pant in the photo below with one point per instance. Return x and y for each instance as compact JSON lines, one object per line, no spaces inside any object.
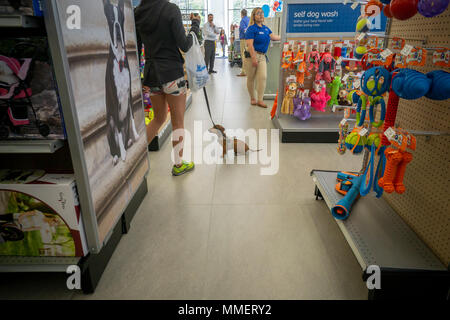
{"x":243,"y":70}
{"x":256,"y":77}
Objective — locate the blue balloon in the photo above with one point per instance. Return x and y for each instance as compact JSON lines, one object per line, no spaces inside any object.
{"x":266,"y":9}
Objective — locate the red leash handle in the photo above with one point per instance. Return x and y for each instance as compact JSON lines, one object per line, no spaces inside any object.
{"x":391,"y":114}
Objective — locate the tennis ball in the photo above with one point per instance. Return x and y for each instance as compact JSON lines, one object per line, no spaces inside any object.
{"x":360,"y":51}
{"x":373,"y":138}
{"x":362,"y":25}
{"x":352,"y":139}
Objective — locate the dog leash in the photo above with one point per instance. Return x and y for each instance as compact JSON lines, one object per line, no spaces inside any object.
{"x":207,"y":105}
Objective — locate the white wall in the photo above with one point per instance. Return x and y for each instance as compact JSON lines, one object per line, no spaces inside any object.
{"x":219,"y":9}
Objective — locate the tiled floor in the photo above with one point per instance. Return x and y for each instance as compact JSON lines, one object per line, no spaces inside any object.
{"x":225,"y":231}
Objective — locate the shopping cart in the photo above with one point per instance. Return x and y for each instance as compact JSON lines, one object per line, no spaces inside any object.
{"x":234,"y":56}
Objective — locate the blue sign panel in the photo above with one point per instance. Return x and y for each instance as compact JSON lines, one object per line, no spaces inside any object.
{"x":328,"y":18}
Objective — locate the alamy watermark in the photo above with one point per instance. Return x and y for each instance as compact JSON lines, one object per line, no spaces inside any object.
{"x":374,"y":280}
{"x":204,"y":147}
{"x":74,"y":280}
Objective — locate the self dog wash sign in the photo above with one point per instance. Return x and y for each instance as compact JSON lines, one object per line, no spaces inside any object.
{"x":327,"y":18}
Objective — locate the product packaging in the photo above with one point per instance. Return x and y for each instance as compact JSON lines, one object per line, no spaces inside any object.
{"x":44,"y":92}
{"x":40,"y":215}
{"x":26,"y":7}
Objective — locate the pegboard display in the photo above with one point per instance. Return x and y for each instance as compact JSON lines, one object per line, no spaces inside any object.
{"x":309,"y":80}
{"x":425,"y":205}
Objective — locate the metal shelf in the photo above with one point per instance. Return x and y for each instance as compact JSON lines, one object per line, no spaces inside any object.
{"x":376,"y":233}
{"x":30,"y":146}
{"x":36,"y":264}
{"x":20,"y":21}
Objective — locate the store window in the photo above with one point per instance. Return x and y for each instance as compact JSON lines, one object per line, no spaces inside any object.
{"x":192,"y":6}
{"x":235,"y":7}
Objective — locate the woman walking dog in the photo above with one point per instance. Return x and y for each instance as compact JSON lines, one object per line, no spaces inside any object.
{"x":160,"y":27}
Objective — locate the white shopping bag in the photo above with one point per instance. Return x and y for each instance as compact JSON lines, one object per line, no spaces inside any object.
{"x":195,"y":66}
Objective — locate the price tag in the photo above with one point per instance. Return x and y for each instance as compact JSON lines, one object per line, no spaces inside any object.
{"x":316,"y":42}
{"x":343,"y":122}
{"x":363,"y":132}
{"x":286,"y":47}
{"x":354,"y":5}
{"x":291,"y":43}
{"x":361,"y":36}
{"x":390,"y":133}
{"x":357,"y":84}
{"x":386,"y":53}
{"x":330,"y":41}
{"x":345,"y":2}
{"x":339,"y":61}
{"x":345,"y":78}
{"x":347,"y":42}
{"x":406,"y":50}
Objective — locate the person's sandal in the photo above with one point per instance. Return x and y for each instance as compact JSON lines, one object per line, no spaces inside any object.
{"x":185,"y":167}
{"x":253,"y":102}
{"x":241,"y":75}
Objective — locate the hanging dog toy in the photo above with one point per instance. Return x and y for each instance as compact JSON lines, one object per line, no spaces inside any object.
{"x":313,"y":60}
{"x":287,"y":59}
{"x":287,"y":107}
{"x":334,"y":86}
{"x":374,"y":83}
{"x":300,"y":64}
{"x":326,"y":67}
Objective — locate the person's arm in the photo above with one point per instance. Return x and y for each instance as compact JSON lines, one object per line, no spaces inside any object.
{"x":275,"y":37}
{"x":250,"y":38}
{"x":182,"y":41}
{"x":208,"y":31}
{"x":252,"y":51}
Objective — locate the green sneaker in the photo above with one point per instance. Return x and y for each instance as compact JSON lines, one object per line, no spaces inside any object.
{"x":185,"y":167}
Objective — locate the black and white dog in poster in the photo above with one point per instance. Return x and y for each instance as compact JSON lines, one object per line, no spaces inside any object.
{"x":121,"y":128}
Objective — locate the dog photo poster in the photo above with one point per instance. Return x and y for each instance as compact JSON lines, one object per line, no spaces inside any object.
{"x":104,"y":69}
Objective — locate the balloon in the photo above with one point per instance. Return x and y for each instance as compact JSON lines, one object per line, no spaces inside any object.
{"x":431,"y":8}
{"x":280,"y":6}
{"x":275,"y":6}
{"x":266,"y":9}
{"x":404,"y":9}
{"x":387,"y":11}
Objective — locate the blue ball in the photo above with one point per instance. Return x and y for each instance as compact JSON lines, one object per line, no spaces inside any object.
{"x":440,"y":85}
{"x":410,"y":84}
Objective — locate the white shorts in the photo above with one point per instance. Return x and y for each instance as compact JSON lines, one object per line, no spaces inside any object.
{"x":174,"y":88}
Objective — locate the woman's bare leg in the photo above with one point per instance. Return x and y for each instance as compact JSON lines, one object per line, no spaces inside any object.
{"x":177,"y":108}
{"x":159,"y":105}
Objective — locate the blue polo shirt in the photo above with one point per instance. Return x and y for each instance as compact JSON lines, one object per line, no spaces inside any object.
{"x":260,"y":36}
{"x":243,"y":27}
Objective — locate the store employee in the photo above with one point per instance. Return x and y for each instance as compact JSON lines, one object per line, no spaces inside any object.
{"x":258,"y":38}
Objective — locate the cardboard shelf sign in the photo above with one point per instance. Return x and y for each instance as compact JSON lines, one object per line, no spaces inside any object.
{"x":331,"y":18}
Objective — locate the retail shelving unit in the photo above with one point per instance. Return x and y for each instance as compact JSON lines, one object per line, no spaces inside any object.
{"x":20,"y":21}
{"x":399,"y":248}
{"x":103,"y":230}
{"x":406,"y":235}
{"x":30,"y":146}
{"x":321,"y":127}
